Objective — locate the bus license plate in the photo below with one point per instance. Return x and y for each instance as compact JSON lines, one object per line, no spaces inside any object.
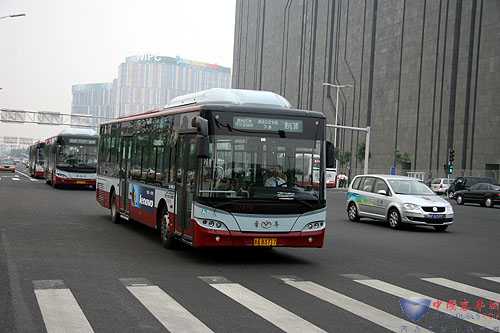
{"x":80,"y":182}
{"x":265,"y":241}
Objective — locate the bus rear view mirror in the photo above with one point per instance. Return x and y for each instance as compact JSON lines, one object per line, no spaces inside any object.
{"x":203,"y":149}
{"x":330,"y":155}
{"x":201,"y":125}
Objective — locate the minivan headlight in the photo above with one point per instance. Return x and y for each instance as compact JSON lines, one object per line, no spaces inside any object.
{"x":410,"y":206}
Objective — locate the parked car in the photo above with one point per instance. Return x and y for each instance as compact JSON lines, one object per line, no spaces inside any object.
{"x":397,"y":200}
{"x":7,"y":165}
{"x":487,"y":195}
{"x":463,"y":183}
{"x":440,"y":185}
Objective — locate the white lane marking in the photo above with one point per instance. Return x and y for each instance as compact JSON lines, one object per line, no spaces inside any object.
{"x":173,"y":316}
{"x":465,"y":288}
{"x":61,"y":312}
{"x":356,"y":307}
{"x":15,"y":178}
{"x":275,"y":314}
{"x":463,"y":314}
{"x":492,"y":278}
{"x":26,"y":175}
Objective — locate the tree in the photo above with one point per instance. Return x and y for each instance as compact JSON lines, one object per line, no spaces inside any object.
{"x":360,"y":153}
{"x":403,"y":159}
{"x":344,"y":157}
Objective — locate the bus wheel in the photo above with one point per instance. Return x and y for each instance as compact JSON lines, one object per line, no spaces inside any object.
{"x":115,"y":216}
{"x":167,"y":238}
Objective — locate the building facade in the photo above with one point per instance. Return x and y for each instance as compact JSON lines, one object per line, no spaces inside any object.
{"x":148,"y":81}
{"x":425,"y":75}
{"x":94,"y":99}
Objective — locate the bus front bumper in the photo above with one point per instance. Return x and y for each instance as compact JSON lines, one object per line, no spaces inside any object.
{"x":75,"y":182}
{"x":213,"y":238}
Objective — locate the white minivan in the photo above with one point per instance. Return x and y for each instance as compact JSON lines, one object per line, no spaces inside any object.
{"x":441,"y":185}
{"x":397,"y":200}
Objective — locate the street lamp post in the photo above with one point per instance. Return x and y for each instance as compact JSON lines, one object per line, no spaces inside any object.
{"x":13,"y":15}
{"x":338,"y":86}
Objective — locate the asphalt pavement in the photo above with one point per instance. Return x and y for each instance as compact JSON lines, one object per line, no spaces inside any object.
{"x":64,"y":264}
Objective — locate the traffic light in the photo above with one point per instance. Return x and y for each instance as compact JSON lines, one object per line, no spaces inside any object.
{"x":450,"y":169}
{"x":451,"y":157}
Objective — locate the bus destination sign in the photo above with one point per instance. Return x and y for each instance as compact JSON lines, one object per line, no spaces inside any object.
{"x":267,"y":124}
{"x":80,"y":141}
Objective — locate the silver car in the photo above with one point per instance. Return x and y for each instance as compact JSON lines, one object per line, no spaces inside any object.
{"x":397,"y":200}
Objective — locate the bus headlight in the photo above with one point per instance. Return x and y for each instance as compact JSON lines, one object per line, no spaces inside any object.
{"x":212,"y":224}
{"x":314,"y":226}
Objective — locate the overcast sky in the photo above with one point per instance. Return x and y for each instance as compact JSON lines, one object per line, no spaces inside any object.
{"x":64,"y":42}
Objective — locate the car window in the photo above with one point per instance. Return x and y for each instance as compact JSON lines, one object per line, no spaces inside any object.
{"x":367,"y":184}
{"x":436,"y":181}
{"x":447,"y":181}
{"x":409,"y":187}
{"x":476,"y":187}
{"x":355,"y":184}
{"x":380,"y":185}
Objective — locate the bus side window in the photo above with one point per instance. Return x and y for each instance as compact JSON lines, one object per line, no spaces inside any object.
{"x":166,"y":163}
{"x":135,"y":168}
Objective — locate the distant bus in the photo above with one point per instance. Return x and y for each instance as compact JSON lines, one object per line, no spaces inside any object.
{"x":71,"y":158}
{"x":223,"y":167}
{"x":36,"y":163}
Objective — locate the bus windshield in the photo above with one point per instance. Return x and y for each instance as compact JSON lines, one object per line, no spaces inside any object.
{"x":78,"y":157}
{"x":262,"y":168}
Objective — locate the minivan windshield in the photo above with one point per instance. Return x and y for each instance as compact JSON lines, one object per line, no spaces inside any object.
{"x":409,"y":187}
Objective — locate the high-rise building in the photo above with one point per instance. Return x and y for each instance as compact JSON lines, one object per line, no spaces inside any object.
{"x":148,"y":81}
{"x":94,"y":99}
{"x":424,"y":75}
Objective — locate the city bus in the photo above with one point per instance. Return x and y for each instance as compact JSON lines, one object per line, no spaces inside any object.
{"x":36,"y":164}
{"x":222,"y":167}
{"x":71,"y":158}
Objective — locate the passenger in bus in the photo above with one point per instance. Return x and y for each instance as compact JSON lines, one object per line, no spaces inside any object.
{"x":276,"y":179}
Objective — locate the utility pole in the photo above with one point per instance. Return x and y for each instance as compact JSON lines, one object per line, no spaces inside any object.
{"x":338,"y":86}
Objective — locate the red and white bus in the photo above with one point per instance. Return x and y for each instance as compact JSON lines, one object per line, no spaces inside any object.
{"x":71,"y":158}
{"x":222,"y":167}
{"x":36,"y":164}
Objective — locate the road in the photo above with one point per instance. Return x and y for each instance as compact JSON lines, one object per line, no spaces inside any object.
{"x":61,"y":256}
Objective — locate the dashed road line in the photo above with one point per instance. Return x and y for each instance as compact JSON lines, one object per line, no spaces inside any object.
{"x":360,"y":309}
{"x":172,"y":315}
{"x":275,"y":314}
{"x":59,"y":308}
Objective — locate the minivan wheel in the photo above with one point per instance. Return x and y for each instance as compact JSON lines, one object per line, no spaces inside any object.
{"x":394,"y":219}
{"x":460,"y":199}
{"x":352,"y":212}
{"x":488,"y":202}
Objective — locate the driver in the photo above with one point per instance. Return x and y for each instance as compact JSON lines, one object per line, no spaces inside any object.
{"x":276,"y":179}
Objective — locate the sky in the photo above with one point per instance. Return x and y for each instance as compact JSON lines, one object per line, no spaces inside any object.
{"x":60,"y":43}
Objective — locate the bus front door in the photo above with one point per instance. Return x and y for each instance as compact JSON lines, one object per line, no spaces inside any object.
{"x":185,"y":184}
{"x":126,"y":150}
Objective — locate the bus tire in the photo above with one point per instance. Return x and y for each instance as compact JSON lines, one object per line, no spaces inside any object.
{"x":113,"y":209}
{"x":167,"y":238}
